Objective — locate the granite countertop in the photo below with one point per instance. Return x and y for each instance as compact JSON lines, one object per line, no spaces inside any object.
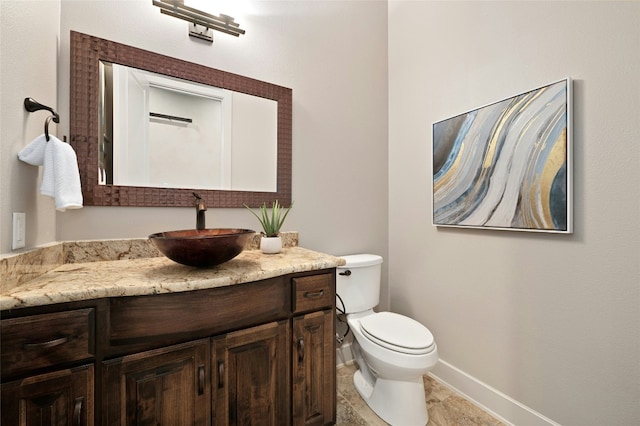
{"x":87,"y":280}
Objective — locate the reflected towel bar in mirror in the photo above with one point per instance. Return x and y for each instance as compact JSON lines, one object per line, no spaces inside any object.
{"x":170,"y":117}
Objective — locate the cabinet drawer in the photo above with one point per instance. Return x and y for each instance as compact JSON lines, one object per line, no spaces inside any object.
{"x":175,"y":317}
{"x":39,"y":341}
{"x":313,"y":292}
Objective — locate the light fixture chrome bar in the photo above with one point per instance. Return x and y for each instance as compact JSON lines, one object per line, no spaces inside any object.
{"x":222,"y":23}
{"x":208,"y":24}
{"x":225,"y":19}
{"x":179,"y":6}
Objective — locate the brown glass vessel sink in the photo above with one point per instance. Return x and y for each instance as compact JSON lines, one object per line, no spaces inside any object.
{"x":202,"y":248}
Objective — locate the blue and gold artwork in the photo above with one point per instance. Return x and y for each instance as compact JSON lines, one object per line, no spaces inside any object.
{"x":506,"y":165}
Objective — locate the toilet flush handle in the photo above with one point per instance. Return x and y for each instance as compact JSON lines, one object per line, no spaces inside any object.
{"x":345,"y":273}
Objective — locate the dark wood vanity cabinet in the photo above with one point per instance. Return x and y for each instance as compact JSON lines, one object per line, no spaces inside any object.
{"x":246,"y":354}
{"x":166,"y":386}
{"x":62,"y":397}
{"x":314,"y":374}
{"x":251,"y":376}
{"x":47,"y":368}
{"x":314,"y":384}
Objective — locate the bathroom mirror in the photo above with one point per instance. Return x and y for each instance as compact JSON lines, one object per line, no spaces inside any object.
{"x":161,"y":131}
{"x":93,"y":128}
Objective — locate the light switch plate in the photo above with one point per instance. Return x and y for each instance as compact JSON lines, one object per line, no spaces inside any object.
{"x":19,"y":230}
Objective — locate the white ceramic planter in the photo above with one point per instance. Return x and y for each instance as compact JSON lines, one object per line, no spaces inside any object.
{"x":271,"y":245}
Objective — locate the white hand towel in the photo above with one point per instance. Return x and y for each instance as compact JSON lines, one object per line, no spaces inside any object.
{"x":34,"y":152}
{"x":60,"y":177}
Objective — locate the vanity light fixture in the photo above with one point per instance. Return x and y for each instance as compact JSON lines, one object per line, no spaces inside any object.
{"x":201,"y":23}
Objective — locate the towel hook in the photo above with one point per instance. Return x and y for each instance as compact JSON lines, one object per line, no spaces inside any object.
{"x":32,"y":105}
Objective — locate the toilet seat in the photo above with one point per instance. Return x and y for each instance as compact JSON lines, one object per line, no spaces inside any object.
{"x":397,"y":333}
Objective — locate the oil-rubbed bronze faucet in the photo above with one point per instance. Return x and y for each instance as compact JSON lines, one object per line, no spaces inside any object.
{"x":200,"y":209}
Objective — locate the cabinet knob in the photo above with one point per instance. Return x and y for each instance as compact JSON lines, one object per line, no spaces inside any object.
{"x":201,"y":380}
{"x":220,"y":374}
{"x":314,"y":294}
{"x":48,"y":344}
{"x":300,"y":349}
{"x":77,"y":411}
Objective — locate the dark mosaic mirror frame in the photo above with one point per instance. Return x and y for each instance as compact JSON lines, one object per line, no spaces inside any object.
{"x":87,"y":51}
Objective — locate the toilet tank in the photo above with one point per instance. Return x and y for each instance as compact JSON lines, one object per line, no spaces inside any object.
{"x":358,"y":282}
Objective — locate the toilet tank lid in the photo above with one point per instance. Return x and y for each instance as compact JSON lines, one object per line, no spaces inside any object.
{"x":360,"y":260}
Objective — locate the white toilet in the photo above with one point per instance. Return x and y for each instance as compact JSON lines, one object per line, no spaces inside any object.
{"x":393,"y":352}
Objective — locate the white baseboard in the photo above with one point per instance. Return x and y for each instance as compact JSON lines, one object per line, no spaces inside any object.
{"x":496,"y":403}
{"x":491,"y":400}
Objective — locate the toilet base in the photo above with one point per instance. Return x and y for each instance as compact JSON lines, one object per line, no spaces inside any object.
{"x":397,"y":402}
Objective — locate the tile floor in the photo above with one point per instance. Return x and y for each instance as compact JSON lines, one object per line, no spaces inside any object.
{"x":446,"y":408}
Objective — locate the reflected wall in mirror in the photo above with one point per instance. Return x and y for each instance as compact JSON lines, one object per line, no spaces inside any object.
{"x":161,"y":131}
{"x":150,"y":154}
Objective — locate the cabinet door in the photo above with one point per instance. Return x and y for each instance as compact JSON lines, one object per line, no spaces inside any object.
{"x":314,"y":369}
{"x":63,"y":397}
{"x":168,"y":386}
{"x":251,"y":376}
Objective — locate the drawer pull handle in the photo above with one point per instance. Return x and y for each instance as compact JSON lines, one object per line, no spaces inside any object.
{"x":77,"y":411}
{"x":220,"y":374}
{"x":201,"y":380}
{"x":314,"y":294}
{"x":300,"y":349}
{"x":48,"y":344}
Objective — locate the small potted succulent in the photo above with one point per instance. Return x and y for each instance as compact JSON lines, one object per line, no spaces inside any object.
{"x":271,"y":224}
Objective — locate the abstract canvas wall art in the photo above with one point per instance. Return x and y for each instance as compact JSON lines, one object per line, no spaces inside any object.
{"x":507,"y":165}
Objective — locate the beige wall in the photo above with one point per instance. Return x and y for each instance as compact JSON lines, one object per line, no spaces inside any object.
{"x":333,"y":56}
{"x":28,"y":57}
{"x":552,"y":321}
{"x":339,"y":123}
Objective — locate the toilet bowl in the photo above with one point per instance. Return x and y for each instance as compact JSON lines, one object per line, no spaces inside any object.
{"x":392,"y":351}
